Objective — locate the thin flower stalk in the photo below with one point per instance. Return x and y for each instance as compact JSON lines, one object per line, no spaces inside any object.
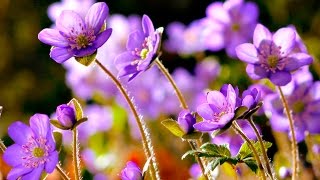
{"x":62,"y":173}
{"x":264,"y":153}
{"x":194,"y":147}
{"x":294,"y":147}
{"x":76,"y":161}
{"x":146,"y":140}
{"x":2,"y":146}
{"x":236,"y":128}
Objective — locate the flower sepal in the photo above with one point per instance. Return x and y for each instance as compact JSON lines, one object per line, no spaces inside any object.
{"x":58,"y":139}
{"x":251,"y":111}
{"x":192,"y":136}
{"x":173,"y":127}
{"x":86,"y":60}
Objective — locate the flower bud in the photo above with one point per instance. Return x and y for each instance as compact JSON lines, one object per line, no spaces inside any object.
{"x":186,"y":121}
{"x":66,"y":115}
{"x":131,"y":172}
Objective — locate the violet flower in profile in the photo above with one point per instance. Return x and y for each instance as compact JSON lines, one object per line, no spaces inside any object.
{"x":75,"y":36}
{"x":251,"y":98}
{"x":34,"y":149}
{"x":142,"y":47}
{"x":229,"y":24}
{"x":66,"y":115}
{"x":186,"y":121}
{"x":272,"y":56}
{"x":219,"y":109}
{"x":131,"y":172}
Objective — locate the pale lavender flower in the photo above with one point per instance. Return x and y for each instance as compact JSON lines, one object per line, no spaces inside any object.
{"x":251,"y":98}
{"x":131,"y":172}
{"x":142,"y":48}
{"x":66,"y":115}
{"x":219,"y":109}
{"x":229,"y":24}
{"x":303,"y":99}
{"x":79,"y":6}
{"x":34,"y":149}
{"x":75,"y":36}
{"x":206,"y":72}
{"x":271,"y":56}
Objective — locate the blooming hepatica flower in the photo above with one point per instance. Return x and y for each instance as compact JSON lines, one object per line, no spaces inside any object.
{"x":272,"y":56}
{"x":75,"y":36}
{"x":219,"y":109}
{"x":34,"y":149}
{"x":66,"y":115}
{"x":142,"y":47}
{"x":131,"y":172}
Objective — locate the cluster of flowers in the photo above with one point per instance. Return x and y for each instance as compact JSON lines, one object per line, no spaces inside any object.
{"x":129,"y":46}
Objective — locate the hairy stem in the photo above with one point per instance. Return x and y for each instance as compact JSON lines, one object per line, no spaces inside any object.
{"x":236,"y":127}
{"x":294,"y":147}
{"x":75,"y":151}
{"x":146,"y":140}
{"x":62,"y":173}
{"x":193,"y":147}
{"x":172,"y":82}
{"x":2,"y":146}
{"x":263,"y":149}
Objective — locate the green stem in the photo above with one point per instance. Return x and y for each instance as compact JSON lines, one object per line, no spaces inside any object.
{"x":294,"y":147}
{"x":263,"y":149}
{"x":62,"y":173}
{"x":172,"y":82}
{"x":146,"y":140}
{"x":76,"y":161}
{"x":2,"y":146}
{"x":236,"y":127}
{"x":193,"y":147}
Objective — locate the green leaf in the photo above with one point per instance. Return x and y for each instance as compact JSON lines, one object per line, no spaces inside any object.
{"x":252,"y":164}
{"x":173,"y":127}
{"x":240,"y":111}
{"x":77,"y":107}
{"x":192,"y":136}
{"x":219,"y":161}
{"x":84,"y":119}
{"x":253,"y":110}
{"x":86,"y":60}
{"x":188,"y":153}
{"x":145,"y":167}
{"x":57,"y":124}
{"x":216,"y":150}
{"x":245,"y":151}
{"x":58,"y":139}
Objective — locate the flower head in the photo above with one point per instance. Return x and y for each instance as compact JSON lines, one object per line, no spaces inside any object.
{"x":34,"y":149}
{"x":75,"y":36}
{"x":186,"y":121}
{"x":131,"y":172}
{"x":66,"y":115}
{"x":142,"y":47}
{"x":219,"y":109}
{"x":272,"y":56}
{"x":250,"y":98}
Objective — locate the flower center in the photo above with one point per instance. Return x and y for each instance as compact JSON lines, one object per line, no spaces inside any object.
{"x":82,"y":41}
{"x":79,"y":40}
{"x":298,"y":107}
{"x":270,"y":57}
{"x":144,"y":53}
{"x":38,"y":152}
{"x":235,"y":27}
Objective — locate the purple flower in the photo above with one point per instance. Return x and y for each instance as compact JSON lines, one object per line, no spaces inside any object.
{"x":186,"y":121}
{"x":251,"y":98}
{"x":66,"y":115}
{"x":34,"y":149}
{"x":77,"y":36}
{"x":142,"y":47}
{"x":272,"y":56}
{"x":131,"y":172}
{"x":219,"y":109}
{"x":303,"y":99}
{"x":229,"y":24}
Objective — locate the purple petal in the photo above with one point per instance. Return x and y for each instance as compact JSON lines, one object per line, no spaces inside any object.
{"x":286,"y":39}
{"x":147,"y":25}
{"x":217,"y":12}
{"x":216,"y":98}
{"x":96,"y":16}
{"x":249,"y":13}
{"x":13,"y":155}
{"x":18,"y":171}
{"x":124,"y":59}
{"x":70,"y":21}
{"x":297,"y":60}
{"x":225,"y":119}
{"x":261,"y":33}
{"x":130,"y":69}
{"x":40,"y":125}
{"x":53,"y":38}
{"x":102,"y":38}
{"x":34,"y":174}
{"x":256,"y":71}
{"x":248,"y":101}
{"x":20,"y":132}
{"x":206,"y":126}
{"x":314,"y":92}
{"x":247,"y":53}
{"x":52,"y":162}
{"x":280,"y":78}
{"x":60,"y":55}
{"x":135,"y":40}
{"x":84,"y":52}
{"x":231,"y":96}
{"x":205,"y":111}
{"x":279,"y":122}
